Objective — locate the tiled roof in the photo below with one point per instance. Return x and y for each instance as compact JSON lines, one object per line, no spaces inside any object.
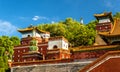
{"x":99,"y":40}
{"x":31,"y":29}
{"x":104,"y":15}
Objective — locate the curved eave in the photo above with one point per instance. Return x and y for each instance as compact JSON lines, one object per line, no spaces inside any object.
{"x":31,"y":29}
{"x":24,"y":30}
{"x":103,"y":14}
{"x":43,"y":31}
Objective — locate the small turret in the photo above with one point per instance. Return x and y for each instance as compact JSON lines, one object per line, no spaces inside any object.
{"x":58,"y":48}
{"x":33,"y":32}
{"x":105,"y":21}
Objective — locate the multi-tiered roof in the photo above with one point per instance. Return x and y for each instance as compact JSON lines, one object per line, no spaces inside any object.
{"x":109,"y":29}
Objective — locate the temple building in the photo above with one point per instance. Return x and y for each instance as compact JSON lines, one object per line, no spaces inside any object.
{"x":105,"y":22}
{"x":37,"y":47}
{"x":107,"y":29}
{"x":58,"y":48}
{"x":108,"y":34}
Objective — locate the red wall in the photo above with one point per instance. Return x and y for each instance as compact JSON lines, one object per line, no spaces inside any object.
{"x":111,"y":65}
{"x":19,"y":50}
{"x":17,"y":56}
{"x":41,"y":62}
{"x":104,"y":27}
{"x":87,"y":55}
{"x":58,"y":54}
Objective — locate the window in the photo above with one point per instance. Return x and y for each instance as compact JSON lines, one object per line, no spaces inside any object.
{"x":24,"y":50}
{"x":24,"y":60}
{"x":55,"y":47}
{"x":33,"y":59}
{"x":41,"y":49}
{"x":44,"y":36}
{"x":53,"y":58}
{"x":67,"y":57}
{"x":62,"y":55}
{"x":18,"y":55}
{"x":18,"y":51}
{"x":18,"y":60}
{"x":28,"y":35}
{"x":106,"y":27}
{"x":66,"y":46}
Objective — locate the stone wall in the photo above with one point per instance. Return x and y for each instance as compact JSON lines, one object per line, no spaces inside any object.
{"x":60,"y":67}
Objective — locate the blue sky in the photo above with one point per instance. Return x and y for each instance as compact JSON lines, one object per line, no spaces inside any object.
{"x":16,"y":14}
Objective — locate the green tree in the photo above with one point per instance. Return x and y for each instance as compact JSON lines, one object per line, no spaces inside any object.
{"x":117,"y":15}
{"x":92,"y":24}
{"x":76,"y":33}
{"x":6,"y":51}
{"x":15,"y":40}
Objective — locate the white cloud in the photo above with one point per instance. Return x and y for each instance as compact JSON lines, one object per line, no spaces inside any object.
{"x":52,"y":22}
{"x":6,"y":28}
{"x":35,"y":18}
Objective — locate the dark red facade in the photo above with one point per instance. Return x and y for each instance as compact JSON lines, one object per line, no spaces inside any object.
{"x":104,"y":27}
{"x":22,"y":50}
{"x":58,"y":54}
{"x":22,"y":55}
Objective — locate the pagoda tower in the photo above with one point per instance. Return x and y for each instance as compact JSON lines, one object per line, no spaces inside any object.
{"x":58,"y":48}
{"x":33,"y":32}
{"x":108,"y":29}
{"x":34,"y":43}
{"x":105,"y":22}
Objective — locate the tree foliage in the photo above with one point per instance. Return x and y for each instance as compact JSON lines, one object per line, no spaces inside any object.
{"x":117,"y":15}
{"x":6,"y":50}
{"x":15,"y":40}
{"x":76,"y":33}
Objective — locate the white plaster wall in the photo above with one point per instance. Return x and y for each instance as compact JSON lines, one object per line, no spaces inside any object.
{"x":51,"y":44}
{"x":34,"y":33}
{"x":104,"y":20}
{"x":64,"y":45}
{"x":37,"y":34}
{"x":45,"y":35}
{"x":26,"y":35}
{"x":59,"y":43}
